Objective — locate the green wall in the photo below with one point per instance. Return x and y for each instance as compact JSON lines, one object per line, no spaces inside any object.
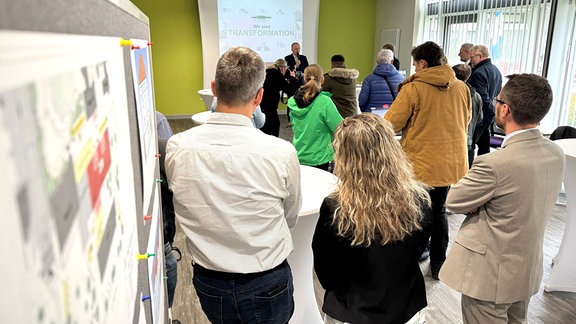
{"x":345,"y":27}
{"x":176,"y":54}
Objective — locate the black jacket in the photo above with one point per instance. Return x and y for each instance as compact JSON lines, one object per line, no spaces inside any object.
{"x":274,"y":83}
{"x":292,"y":62}
{"x":168,"y":215}
{"x":376,"y":284}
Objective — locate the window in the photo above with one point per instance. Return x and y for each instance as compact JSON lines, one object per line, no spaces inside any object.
{"x":516,"y":34}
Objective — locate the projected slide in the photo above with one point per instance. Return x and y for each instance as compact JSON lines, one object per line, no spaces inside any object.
{"x":268,"y":27}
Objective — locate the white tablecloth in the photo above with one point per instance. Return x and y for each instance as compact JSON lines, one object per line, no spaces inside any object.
{"x":358,"y":89}
{"x":316,"y":185}
{"x":201,"y":117}
{"x":563,"y":274}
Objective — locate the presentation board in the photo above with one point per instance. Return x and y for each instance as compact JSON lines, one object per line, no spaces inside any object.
{"x":70,"y":197}
{"x":82,"y":231}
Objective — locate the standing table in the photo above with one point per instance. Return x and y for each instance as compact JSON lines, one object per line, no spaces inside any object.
{"x":563,"y":274}
{"x":207,"y":96}
{"x":201,"y":117}
{"x":316,"y":185}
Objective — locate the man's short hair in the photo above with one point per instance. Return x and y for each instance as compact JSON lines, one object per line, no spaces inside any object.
{"x":338,"y":61}
{"x":481,"y":49}
{"x":467,"y":46}
{"x":429,"y":52}
{"x":390,"y":47}
{"x":462,"y":71}
{"x":295,"y":43}
{"x":385,"y":56}
{"x":529,"y":97}
{"x":240,"y":74}
{"x":337,"y":58}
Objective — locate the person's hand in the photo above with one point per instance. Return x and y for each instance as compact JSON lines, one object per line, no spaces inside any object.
{"x":292,"y":73}
{"x":297,"y":64}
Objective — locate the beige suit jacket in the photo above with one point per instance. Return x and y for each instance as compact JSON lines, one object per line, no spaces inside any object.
{"x":508,"y":196}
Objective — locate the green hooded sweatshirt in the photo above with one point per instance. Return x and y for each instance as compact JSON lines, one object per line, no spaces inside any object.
{"x":313,"y":125}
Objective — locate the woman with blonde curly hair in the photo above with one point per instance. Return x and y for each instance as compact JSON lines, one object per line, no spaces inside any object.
{"x":314,"y":118}
{"x":372,"y":229}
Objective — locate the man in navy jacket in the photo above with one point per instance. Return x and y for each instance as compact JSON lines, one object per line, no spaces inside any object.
{"x":297,"y":62}
{"x":487,"y":80}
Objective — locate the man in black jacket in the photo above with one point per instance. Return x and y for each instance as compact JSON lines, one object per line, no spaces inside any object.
{"x":487,"y":80}
{"x":297,"y":62}
{"x":396,"y":61}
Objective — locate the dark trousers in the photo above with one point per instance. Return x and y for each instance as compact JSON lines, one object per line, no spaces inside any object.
{"x":326,"y":166}
{"x":439,"y":233}
{"x":264,"y":297}
{"x":272,"y":123}
{"x":171,"y":272}
{"x":470,"y":157}
{"x":484,"y":140}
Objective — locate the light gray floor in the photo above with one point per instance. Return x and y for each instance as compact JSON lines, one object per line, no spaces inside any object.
{"x":443,"y":302}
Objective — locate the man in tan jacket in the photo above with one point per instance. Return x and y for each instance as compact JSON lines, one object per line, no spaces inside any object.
{"x":496,"y":259}
{"x":432,"y":110}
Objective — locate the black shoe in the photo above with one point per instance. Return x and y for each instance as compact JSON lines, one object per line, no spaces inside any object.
{"x":435,"y":270}
{"x":176,"y":322}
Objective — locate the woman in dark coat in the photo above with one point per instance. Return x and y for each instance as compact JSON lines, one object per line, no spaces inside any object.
{"x":276,"y":80}
{"x":372,"y":229}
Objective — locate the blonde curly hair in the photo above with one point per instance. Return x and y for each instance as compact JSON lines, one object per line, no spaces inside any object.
{"x":379,"y":199}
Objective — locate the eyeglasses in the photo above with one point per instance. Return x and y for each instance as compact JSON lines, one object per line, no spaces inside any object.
{"x":497,"y":101}
{"x":475,"y":55}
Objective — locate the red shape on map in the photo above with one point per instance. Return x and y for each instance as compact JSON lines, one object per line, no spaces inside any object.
{"x":98,"y":168}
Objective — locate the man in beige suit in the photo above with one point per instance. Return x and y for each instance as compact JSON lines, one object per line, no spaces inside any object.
{"x":508,"y":195}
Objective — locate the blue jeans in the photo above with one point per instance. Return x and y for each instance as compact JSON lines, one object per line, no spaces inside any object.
{"x":171,"y":272}
{"x":265,"y":297}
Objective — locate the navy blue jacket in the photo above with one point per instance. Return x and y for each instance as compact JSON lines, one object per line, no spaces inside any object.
{"x":375,"y":91}
{"x":292,"y":62}
{"x":487,"y":80}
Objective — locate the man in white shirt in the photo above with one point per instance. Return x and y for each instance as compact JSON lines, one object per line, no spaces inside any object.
{"x":236,"y":194}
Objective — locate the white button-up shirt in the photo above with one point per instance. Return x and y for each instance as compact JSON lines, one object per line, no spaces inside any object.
{"x":236,"y":193}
